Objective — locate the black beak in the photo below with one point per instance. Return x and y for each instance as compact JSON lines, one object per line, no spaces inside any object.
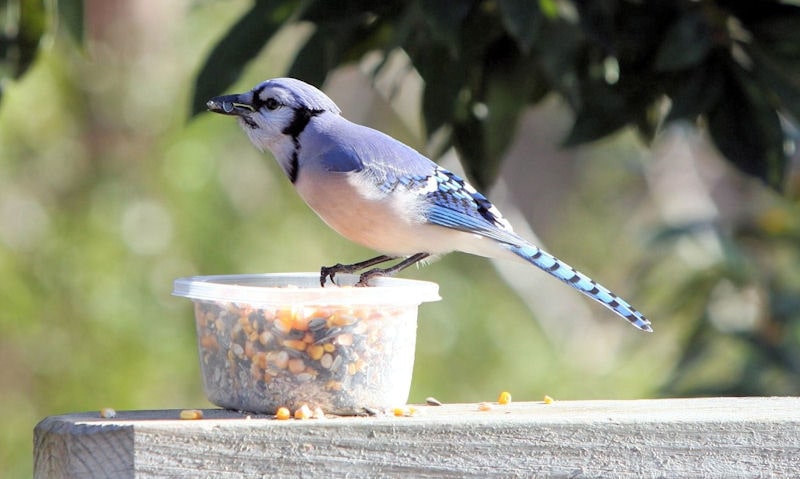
{"x":229,"y":105}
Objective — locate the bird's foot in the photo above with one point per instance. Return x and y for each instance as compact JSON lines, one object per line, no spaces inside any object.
{"x":327,"y":272}
{"x":330,"y":272}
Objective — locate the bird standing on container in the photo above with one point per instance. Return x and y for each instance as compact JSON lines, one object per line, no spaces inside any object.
{"x":383,"y":194}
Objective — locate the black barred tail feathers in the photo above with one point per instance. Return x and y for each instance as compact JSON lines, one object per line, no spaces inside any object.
{"x":582,"y":283}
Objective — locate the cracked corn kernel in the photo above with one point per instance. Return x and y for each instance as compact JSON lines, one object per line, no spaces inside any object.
{"x":191,"y":414}
{"x":548,"y":400}
{"x":304,"y":412}
{"x":504,"y":398}
{"x":107,"y":412}
{"x":484,"y":406}
{"x":283,"y":413}
{"x":318,"y":413}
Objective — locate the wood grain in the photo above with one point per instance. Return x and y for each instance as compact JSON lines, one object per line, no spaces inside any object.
{"x":709,"y":437}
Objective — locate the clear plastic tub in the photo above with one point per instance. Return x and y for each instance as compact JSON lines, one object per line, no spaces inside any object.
{"x":280,"y":340}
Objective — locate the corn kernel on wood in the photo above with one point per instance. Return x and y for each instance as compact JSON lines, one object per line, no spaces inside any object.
{"x":190,"y":414}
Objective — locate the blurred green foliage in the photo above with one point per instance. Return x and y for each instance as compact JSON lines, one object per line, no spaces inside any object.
{"x":107,"y":193}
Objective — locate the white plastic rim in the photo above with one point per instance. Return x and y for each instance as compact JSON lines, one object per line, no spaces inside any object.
{"x":278,"y":289}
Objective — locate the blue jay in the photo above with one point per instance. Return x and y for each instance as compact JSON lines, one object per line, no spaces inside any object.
{"x":381,"y":193}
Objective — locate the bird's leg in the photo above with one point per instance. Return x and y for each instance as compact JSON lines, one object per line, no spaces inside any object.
{"x":367,"y":275}
{"x":330,"y":271}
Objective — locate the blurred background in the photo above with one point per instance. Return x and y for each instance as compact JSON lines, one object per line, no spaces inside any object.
{"x":110,"y":189}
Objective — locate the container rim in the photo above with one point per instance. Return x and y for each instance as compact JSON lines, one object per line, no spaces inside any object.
{"x":279,"y":289}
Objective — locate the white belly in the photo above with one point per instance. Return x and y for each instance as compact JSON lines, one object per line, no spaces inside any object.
{"x":391,"y":225}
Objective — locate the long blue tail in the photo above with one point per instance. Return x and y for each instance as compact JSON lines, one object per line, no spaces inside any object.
{"x":582,"y":283}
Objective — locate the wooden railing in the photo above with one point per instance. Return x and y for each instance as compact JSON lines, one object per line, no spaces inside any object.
{"x":709,"y":437}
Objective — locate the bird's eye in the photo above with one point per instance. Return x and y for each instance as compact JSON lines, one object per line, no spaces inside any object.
{"x":271,"y":104}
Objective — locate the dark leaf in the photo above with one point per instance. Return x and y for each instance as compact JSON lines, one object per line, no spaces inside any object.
{"x":311,"y":63}
{"x":510,"y":79}
{"x":520,"y":17}
{"x":686,"y":43}
{"x":694,"y":92}
{"x":558,"y":51}
{"x":332,"y":45}
{"x":331,"y":13}
{"x":747,"y":130}
{"x":469,"y":141}
{"x":445,"y":18}
{"x":444,"y":78}
{"x":780,"y":36}
{"x":31,"y":28}
{"x":243,"y":41}
{"x":778,"y":77}
{"x":603,"y":111}
{"x":70,"y":15}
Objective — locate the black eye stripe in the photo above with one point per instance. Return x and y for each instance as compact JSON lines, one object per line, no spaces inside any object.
{"x":270,"y":103}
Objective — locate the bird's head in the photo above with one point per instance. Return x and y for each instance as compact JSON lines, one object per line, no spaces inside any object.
{"x":276,"y":111}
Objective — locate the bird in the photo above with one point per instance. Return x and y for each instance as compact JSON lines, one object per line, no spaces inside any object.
{"x":381,"y":193}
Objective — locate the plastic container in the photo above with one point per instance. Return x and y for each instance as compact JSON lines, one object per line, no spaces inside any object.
{"x":280,"y":340}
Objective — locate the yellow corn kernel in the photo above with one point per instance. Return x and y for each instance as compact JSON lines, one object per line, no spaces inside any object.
{"x":504,"y":398}
{"x":191,"y":414}
{"x":303,"y":413}
{"x":249,"y":349}
{"x":315,"y":351}
{"x":484,"y":406}
{"x":283,"y":321}
{"x":328,"y":347}
{"x":283,"y":414}
{"x":300,"y":323}
{"x":295,"y":344}
{"x":296,"y":366}
{"x":548,"y":400}
{"x":400,"y":411}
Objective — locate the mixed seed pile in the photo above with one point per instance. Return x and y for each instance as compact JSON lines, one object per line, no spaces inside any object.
{"x":340,"y":359}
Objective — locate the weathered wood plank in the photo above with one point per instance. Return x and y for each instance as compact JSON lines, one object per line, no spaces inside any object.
{"x":710,"y":437}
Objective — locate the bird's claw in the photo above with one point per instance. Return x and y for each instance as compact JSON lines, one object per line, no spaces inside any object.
{"x":328,"y":272}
